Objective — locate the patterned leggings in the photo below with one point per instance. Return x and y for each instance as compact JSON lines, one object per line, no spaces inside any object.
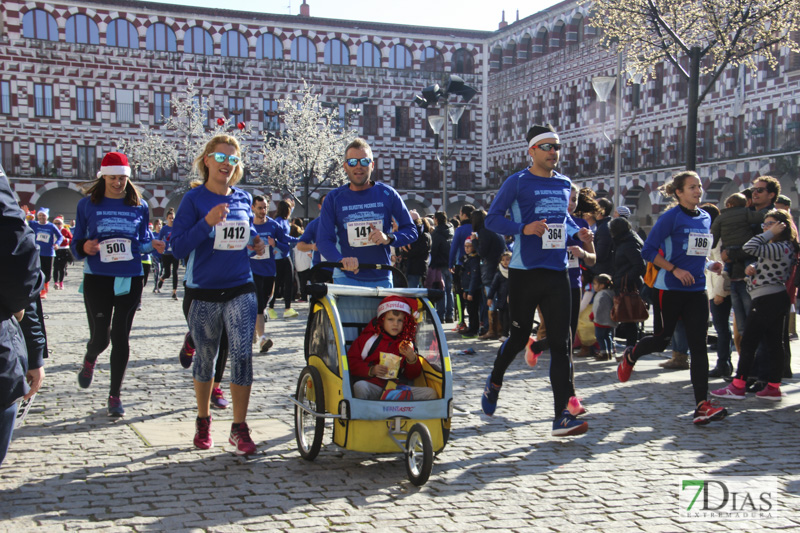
{"x":206,"y":322}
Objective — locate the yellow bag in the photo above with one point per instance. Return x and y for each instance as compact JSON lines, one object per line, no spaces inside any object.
{"x":586,"y":327}
{"x":651,"y":274}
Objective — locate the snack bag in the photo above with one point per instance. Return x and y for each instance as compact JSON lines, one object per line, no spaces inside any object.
{"x":392,"y":363}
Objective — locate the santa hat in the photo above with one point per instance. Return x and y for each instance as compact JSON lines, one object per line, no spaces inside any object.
{"x":398,"y":303}
{"x":114,"y":164}
{"x":59,"y":218}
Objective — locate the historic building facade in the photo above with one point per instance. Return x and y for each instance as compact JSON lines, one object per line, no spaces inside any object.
{"x":77,"y":76}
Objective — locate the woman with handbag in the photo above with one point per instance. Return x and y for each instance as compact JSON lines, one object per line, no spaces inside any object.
{"x":683,"y":232}
{"x":629,"y":270}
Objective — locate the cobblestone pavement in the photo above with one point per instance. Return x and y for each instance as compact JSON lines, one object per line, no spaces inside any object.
{"x":71,"y":467}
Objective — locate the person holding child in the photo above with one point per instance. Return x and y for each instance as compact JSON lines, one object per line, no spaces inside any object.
{"x":384,"y":355}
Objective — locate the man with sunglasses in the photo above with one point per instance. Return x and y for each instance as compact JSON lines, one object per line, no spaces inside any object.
{"x":537,"y":200}
{"x":356,"y":221}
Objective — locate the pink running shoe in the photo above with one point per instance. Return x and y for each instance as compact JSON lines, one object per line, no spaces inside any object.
{"x":531,"y":357}
{"x":731,"y":391}
{"x":770,"y":393}
{"x":575,"y":407}
{"x":240,"y":437}
{"x":202,"y":434}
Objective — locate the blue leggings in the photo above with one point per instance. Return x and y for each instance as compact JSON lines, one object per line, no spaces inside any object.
{"x":206,"y":322}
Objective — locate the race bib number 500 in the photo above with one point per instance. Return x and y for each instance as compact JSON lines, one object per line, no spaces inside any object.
{"x":113,"y":250}
{"x":232,"y":235}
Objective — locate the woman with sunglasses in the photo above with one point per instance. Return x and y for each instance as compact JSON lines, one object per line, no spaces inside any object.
{"x":683,"y":232}
{"x":776,"y":250}
{"x":111,"y":234}
{"x":213,"y":230}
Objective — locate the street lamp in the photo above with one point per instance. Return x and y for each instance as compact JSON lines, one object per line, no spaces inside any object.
{"x":433,"y":95}
{"x":602,"y":86}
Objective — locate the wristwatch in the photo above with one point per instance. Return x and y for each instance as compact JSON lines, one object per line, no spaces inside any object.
{"x":392,"y":238}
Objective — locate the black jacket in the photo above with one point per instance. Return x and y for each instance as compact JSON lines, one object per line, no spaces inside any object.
{"x":490,"y":247}
{"x":417,"y":254}
{"x":442,"y":238}
{"x":603,"y":247}
{"x":627,"y":261}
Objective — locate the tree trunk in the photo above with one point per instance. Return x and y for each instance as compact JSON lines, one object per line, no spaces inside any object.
{"x":694,"y":104}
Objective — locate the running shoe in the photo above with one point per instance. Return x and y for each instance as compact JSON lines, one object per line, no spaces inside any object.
{"x":202,"y":434}
{"x":265,"y":344}
{"x":289,"y":313}
{"x":174,"y":296}
{"x":218,"y":400}
{"x":770,"y":393}
{"x":86,"y":374}
{"x":139,"y":307}
{"x":272,"y":314}
{"x":531,"y":357}
{"x":567,"y":425}
{"x":469,"y":335}
{"x":731,"y":391}
{"x":160,"y":284}
{"x":115,"y":407}
{"x":709,"y":412}
{"x":240,"y":437}
{"x":187,"y":352}
{"x":489,"y":398}
{"x":575,"y":407}
{"x":625,"y":368}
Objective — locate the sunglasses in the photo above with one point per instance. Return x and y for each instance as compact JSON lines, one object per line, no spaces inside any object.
{"x":220,"y":158}
{"x":365,"y":162}
{"x":759,"y":190}
{"x":548,"y":146}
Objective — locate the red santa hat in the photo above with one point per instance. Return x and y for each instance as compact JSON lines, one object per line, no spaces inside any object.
{"x":59,"y":218}
{"x":114,"y":164}
{"x":398,"y":303}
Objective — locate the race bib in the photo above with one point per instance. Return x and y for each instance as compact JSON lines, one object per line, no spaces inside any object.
{"x":232,"y":235}
{"x":699,"y":244}
{"x":113,"y":250}
{"x":358,"y":232}
{"x":265,"y":255}
{"x":572,"y":261}
{"x":43,"y":237}
{"x":555,"y":237}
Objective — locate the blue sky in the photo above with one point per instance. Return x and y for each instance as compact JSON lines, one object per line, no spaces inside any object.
{"x":463,"y":14}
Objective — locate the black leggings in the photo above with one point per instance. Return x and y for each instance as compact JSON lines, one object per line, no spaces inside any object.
{"x":222,"y":357}
{"x":284,"y":278}
{"x":765,"y":323}
{"x":146,"y":270}
{"x":550,"y":290}
{"x":168,"y":260}
{"x":692,"y":308}
{"x":101,"y":303}
{"x":264,"y":286}
{"x":47,"y":266}
{"x":60,"y":264}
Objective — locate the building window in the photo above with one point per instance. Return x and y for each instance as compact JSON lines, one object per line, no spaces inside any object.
{"x":573,"y":104}
{"x":7,"y":157}
{"x":87,"y":162}
{"x":39,"y":24}
{"x":43,"y":100}
{"x":462,"y":62}
{"x":709,"y":144}
{"x":633,"y":158}
{"x":124,"y":106}
{"x":161,"y":107}
{"x":198,"y":41}
{"x":269,"y":47}
{"x":81,"y":29}
{"x":236,"y":109}
{"x":464,"y":181}
{"x":431,"y":60}
{"x":404,"y":176}
{"x":399,"y":57}
{"x":680,"y":144}
{"x":272,"y":120}
{"x":658,"y":84}
{"x":369,"y":55}
{"x":401,"y":121}
{"x":336,"y":53}
{"x":657,"y":149}
{"x":84,"y":103}
{"x":432,"y":174}
{"x":303,"y":50}
{"x":234,"y":44}
{"x":370,"y":119}
{"x":197,"y":103}
{"x":161,"y":38}
{"x":739,"y":138}
{"x":5,"y":97}
{"x":122,"y":33}
{"x":45,"y":159}
{"x":771,"y":130}
{"x":464,"y":127}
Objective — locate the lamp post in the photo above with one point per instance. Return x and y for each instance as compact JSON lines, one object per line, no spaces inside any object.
{"x":433,"y":95}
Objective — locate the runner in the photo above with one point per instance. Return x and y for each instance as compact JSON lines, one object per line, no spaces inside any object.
{"x":284,"y":270}
{"x":156,"y":257}
{"x":212,"y":231}
{"x":683,"y":233}
{"x":538,"y":199}
{"x":169,"y":261}
{"x":63,"y":254}
{"x":48,"y":237}
{"x":111,"y":234}
{"x":308,"y":243}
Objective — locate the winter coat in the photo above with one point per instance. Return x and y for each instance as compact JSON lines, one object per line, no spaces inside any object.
{"x":365,"y":352}
{"x":603,"y":246}
{"x":602,"y":303}
{"x":471,"y":274}
{"x":417,"y":254}
{"x":498,"y":292}
{"x":441,"y":239}
{"x":490,"y":247}
{"x":734,"y":227}
{"x":627,"y":261}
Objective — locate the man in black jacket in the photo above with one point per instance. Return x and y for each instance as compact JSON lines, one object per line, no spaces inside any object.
{"x":603,"y":244}
{"x":442,"y":238}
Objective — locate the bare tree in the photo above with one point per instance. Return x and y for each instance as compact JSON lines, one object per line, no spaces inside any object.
{"x":712,"y":34}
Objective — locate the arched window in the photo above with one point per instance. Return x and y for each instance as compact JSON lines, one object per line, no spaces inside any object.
{"x":369,"y":55}
{"x":510,"y":54}
{"x":336,"y":53}
{"x":233,"y":44}
{"x":269,"y":47}
{"x":303,"y":50}
{"x":462,"y":62}
{"x":122,"y":33}
{"x":198,"y":41}
{"x":558,"y":37}
{"x":39,"y":24}
{"x":544,"y":42}
{"x":580,"y":25}
{"x":399,"y":57}
{"x":161,"y":38}
{"x":81,"y":29}
{"x":431,"y":60}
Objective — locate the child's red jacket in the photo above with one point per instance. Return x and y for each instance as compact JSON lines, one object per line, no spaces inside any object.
{"x":365,"y":352}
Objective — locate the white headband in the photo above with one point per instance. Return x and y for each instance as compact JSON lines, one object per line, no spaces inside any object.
{"x":546,"y":135}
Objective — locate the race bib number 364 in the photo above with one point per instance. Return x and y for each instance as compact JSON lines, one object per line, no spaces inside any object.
{"x":555,"y":237}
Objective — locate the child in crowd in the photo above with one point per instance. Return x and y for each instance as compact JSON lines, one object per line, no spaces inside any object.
{"x":734,"y":223}
{"x":498,"y":294}
{"x":471,"y":285}
{"x":602,"y":304}
{"x":384,"y":356}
